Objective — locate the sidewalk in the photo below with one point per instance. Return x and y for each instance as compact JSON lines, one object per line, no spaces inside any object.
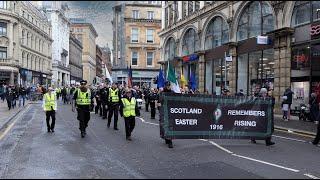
{"x":6,"y":115}
{"x":302,"y":127}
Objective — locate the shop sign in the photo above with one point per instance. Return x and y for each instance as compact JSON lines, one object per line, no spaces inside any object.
{"x":215,"y":117}
{"x":301,"y":58}
{"x":228,"y":58}
{"x":262,"y":40}
{"x":315,"y":30}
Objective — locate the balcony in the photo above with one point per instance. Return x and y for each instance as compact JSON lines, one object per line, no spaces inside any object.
{"x":9,"y":62}
{"x":61,"y":65}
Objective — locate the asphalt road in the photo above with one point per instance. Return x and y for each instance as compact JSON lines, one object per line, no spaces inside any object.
{"x":28,"y":151}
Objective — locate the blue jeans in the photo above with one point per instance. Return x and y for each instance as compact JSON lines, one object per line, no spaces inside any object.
{"x":23,"y":98}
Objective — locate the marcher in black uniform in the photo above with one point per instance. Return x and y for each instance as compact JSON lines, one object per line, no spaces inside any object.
{"x":129,"y":110}
{"x":114,"y":97}
{"x":104,"y":102}
{"x":146,"y":93}
{"x":167,"y":89}
{"x":153,"y":97}
{"x":263,"y":95}
{"x":82,"y":97}
{"x":98,"y":106}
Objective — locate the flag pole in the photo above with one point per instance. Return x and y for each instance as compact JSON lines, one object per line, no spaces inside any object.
{"x":225,"y":70}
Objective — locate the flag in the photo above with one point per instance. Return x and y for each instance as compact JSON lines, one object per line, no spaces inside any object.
{"x":171,"y":76}
{"x":161,"y":80}
{"x":130,"y":77}
{"x":183,"y":81}
{"x":193,"y":83}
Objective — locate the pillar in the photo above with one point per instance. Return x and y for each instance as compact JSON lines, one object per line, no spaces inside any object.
{"x":201,"y":73}
{"x":180,"y":10}
{"x":201,"y":4}
{"x":232,"y":74}
{"x":163,"y":15}
{"x":12,"y":78}
{"x":282,"y":67}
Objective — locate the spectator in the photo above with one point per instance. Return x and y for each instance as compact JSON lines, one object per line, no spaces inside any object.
{"x":289,"y":94}
{"x":314,"y":107}
{"x":240,"y":93}
{"x":285,"y":108}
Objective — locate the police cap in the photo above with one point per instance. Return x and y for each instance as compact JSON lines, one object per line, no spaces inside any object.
{"x":83,"y":82}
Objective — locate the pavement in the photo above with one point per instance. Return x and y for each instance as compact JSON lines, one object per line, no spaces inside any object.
{"x":28,"y":151}
{"x":6,"y":115}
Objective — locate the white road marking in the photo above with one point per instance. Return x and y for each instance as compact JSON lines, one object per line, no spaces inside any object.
{"x":293,"y":139}
{"x":148,"y":122}
{"x":263,"y":162}
{"x":217,"y":145}
{"x":311,"y":176}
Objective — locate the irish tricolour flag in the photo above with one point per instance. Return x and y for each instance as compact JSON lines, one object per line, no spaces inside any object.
{"x":171,"y":76}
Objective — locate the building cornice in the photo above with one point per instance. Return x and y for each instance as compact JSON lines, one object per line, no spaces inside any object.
{"x":35,"y":28}
{"x":144,"y":5}
{"x":158,"y":21}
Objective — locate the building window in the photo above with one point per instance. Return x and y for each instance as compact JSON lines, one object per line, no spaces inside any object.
{"x":3,"y":4}
{"x":184,"y":8}
{"x":134,"y":59}
{"x":149,"y":58}
{"x":134,"y":35}
{"x":197,"y":5}
{"x":3,"y":53}
{"x":305,"y":12}
{"x":217,"y":33}
{"x":190,"y":43}
{"x":3,"y":29}
{"x":175,"y":11}
{"x":256,"y":70}
{"x":135,"y":14}
{"x":150,"y":35}
{"x":256,"y":19}
{"x":150,"y":15}
{"x":170,"y":50}
{"x":300,"y":58}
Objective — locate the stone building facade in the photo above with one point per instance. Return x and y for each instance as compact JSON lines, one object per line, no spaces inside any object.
{"x":60,"y":47}
{"x":269,"y":44}
{"x":86,"y":34}
{"x":25,"y":44}
{"x":75,"y":57}
{"x":99,"y":72}
{"x":136,"y":42}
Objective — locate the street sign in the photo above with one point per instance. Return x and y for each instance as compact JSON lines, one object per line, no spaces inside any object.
{"x":262,"y":40}
{"x":215,"y":117}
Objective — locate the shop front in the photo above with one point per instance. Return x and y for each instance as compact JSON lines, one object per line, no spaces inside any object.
{"x":255,"y":66}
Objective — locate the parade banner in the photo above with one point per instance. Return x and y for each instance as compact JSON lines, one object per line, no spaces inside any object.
{"x":215,"y":117}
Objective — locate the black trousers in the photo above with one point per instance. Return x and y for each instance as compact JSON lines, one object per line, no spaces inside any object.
{"x":147,"y":104}
{"x":317,"y":138}
{"x":113,"y":109}
{"x":9,"y":104}
{"x":129,"y":124}
{"x":104,"y":110}
{"x":153,"y":109}
{"x":84,"y":118}
{"x":98,"y":107}
{"x":51,"y":114}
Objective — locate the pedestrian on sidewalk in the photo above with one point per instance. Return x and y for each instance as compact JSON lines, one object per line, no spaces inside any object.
{"x":314,"y":107}
{"x":9,"y":97}
{"x":289,"y":94}
{"x":22,"y":96}
{"x":50,"y":107}
{"x":285,"y":108}
{"x":129,"y":110}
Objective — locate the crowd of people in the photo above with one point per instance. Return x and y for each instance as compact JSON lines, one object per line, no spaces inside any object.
{"x":110,"y":100}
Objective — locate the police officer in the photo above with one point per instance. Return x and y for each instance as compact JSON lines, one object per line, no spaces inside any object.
{"x":153,"y":97}
{"x":129,"y":109}
{"x":114,"y":97}
{"x":50,"y":107}
{"x":82,"y":97}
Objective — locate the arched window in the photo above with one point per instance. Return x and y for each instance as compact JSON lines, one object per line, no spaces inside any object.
{"x":39,"y":45}
{"x":256,"y":19}
{"x":24,"y":37}
{"x":170,"y":49}
{"x":190,"y":42}
{"x":28,"y":39}
{"x":32,"y":41}
{"x":305,"y":12}
{"x":28,"y":61}
{"x":36,"y":43}
{"x":39,"y":64}
{"x":43,"y":61}
{"x":217,"y":33}
{"x":23,"y":58}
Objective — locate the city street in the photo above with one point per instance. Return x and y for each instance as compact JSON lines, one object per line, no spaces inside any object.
{"x":28,"y":151}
